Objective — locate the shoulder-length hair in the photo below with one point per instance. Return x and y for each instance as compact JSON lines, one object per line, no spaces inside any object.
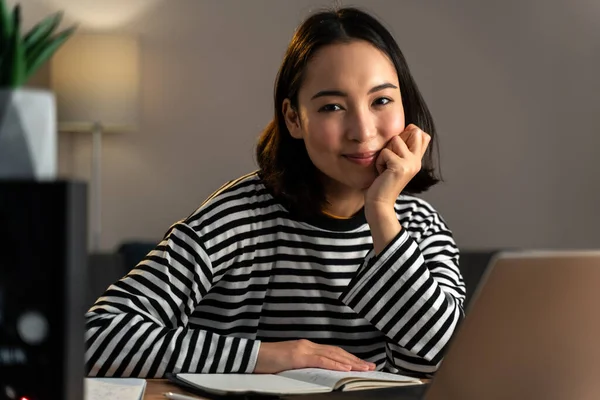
{"x":285,"y":166}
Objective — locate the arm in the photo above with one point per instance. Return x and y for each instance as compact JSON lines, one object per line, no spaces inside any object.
{"x":413,"y":293}
{"x":139,"y":326}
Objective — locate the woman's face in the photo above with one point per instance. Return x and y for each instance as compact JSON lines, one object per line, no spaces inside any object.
{"x":349,"y":107}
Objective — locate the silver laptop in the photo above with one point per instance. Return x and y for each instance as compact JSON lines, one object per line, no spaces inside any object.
{"x":532,"y":331}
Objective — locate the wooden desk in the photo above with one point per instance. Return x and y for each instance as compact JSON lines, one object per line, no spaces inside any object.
{"x":156,"y":387}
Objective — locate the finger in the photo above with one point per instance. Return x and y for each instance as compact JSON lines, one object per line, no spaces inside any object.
{"x":343,"y":357}
{"x":352,"y":356}
{"x":356,"y":363}
{"x":385,"y":159}
{"x":319,"y":361}
{"x":413,"y":137}
{"x":339,"y":354}
{"x":409,"y":133}
{"x":399,"y":147}
{"x":334,"y":352}
{"x":353,"y":365}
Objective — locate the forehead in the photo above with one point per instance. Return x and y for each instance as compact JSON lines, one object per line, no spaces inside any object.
{"x":357,"y":65}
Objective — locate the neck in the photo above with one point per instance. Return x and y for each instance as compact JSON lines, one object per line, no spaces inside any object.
{"x":343,"y":201}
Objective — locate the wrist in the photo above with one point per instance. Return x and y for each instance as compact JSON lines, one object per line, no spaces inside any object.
{"x":379,"y":212}
{"x":384,"y":226}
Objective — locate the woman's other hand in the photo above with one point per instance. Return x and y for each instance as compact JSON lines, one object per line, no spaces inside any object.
{"x":294,"y":354}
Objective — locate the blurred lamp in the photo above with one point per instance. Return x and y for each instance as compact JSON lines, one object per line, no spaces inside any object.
{"x":96,"y":83}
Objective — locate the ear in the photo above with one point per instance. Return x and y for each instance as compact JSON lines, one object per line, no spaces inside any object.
{"x":292,"y":119}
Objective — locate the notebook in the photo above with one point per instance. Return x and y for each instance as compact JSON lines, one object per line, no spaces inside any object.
{"x":114,"y":388}
{"x":299,"y":381}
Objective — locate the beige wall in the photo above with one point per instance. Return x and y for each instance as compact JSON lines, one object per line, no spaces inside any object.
{"x":513,"y":87}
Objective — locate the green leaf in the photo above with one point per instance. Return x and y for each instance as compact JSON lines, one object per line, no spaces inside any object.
{"x":21,"y":57}
{"x":5,"y":37}
{"x":37,"y":47}
{"x":17,"y":71}
{"x":50,"y":46}
{"x":5,"y":23}
{"x":40,"y":32}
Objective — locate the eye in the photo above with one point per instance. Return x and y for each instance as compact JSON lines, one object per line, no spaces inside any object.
{"x":330,"y":108}
{"x":381,"y":101}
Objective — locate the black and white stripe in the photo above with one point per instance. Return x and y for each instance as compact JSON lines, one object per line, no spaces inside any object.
{"x":242,"y":270}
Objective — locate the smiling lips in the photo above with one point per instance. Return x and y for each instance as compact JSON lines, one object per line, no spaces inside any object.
{"x":362,"y":158}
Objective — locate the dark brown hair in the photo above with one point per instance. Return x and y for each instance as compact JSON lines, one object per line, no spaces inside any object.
{"x":285,"y":166}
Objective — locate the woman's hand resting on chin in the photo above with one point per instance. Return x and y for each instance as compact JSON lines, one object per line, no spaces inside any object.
{"x":396,"y":164}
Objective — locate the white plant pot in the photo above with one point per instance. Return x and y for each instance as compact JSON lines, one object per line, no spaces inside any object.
{"x":28,"y":136}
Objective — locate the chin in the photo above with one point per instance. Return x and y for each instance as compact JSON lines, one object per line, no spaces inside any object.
{"x":361,"y":182}
{"x":366,"y":185}
{"x":355,"y":180}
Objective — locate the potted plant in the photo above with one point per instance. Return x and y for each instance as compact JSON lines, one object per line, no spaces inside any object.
{"x":28,"y":143}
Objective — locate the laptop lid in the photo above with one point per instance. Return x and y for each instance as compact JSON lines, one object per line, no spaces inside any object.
{"x":532,"y":331}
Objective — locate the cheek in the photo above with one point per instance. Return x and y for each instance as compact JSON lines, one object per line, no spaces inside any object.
{"x":323,"y":136}
{"x":392,"y":124}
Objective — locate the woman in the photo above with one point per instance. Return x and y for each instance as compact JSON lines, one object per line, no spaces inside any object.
{"x":322,"y":258}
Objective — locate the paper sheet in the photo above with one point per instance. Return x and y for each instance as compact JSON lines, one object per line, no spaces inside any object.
{"x":330,"y":378}
{"x":114,"y":388}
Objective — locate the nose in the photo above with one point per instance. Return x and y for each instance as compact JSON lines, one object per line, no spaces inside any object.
{"x":361,"y":126}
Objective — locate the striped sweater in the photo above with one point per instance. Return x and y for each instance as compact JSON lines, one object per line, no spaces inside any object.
{"x":242,"y":270}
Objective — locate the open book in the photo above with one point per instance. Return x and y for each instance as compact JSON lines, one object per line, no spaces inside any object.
{"x":298,"y":381}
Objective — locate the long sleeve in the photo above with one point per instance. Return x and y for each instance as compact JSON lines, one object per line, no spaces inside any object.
{"x":139,"y":327}
{"x":413,"y":293}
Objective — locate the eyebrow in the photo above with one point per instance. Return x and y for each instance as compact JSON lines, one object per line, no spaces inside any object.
{"x":339,"y":93}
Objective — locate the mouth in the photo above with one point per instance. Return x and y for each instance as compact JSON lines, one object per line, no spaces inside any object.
{"x":362,"y":158}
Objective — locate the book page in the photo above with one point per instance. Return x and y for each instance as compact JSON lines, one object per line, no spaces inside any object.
{"x":330,"y":379}
{"x":114,"y":388}
{"x":259,"y":383}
